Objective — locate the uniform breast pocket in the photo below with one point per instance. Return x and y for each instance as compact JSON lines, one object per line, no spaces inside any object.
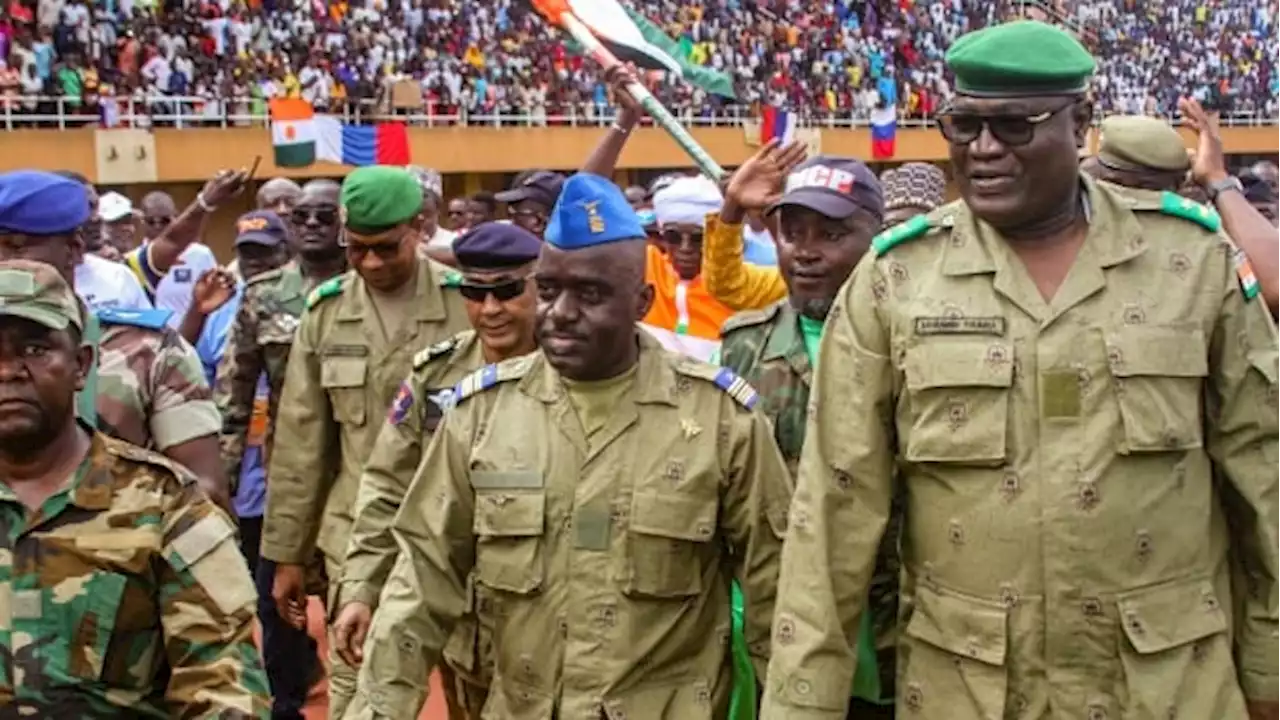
{"x":343,"y":378}
{"x":509,"y":526}
{"x":958,"y":394}
{"x":668,"y":544}
{"x":1158,"y":375}
{"x":111,"y":627}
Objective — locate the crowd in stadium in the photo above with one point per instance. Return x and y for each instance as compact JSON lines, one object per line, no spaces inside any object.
{"x":825,"y":58}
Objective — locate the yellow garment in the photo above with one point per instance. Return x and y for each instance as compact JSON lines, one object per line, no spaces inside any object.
{"x":730,"y":279}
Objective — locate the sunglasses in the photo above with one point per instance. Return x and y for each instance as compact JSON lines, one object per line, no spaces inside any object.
{"x":502,"y":292}
{"x":385,"y":251}
{"x":323,"y":216}
{"x":1010,"y":130}
{"x":675,"y":237}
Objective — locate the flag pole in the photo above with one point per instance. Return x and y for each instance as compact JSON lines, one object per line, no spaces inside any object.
{"x":641,"y":94}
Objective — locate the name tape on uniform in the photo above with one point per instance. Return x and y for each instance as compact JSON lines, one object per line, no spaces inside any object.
{"x":960,"y":326}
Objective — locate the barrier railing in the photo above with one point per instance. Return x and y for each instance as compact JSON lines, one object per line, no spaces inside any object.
{"x":195,"y":112}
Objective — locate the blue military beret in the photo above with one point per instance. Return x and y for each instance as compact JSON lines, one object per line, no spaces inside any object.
{"x":494,"y":245}
{"x":41,"y":203}
{"x":591,"y":211}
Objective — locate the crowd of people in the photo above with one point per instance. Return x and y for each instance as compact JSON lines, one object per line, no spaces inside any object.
{"x":823,"y":58}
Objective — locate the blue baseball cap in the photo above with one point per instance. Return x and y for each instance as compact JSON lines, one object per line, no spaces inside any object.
{"x":591,"y":211}
{"x":261,"y":227}
{"x":41,"y":203}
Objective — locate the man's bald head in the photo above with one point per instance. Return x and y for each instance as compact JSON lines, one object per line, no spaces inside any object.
{"x":322,"y":189}
{"x":278,"y":195}
{"x":158,"y":212}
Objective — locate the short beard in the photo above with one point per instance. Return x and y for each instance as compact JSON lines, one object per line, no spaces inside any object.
{"x":814,"y":309}
{"x":22,"y":446}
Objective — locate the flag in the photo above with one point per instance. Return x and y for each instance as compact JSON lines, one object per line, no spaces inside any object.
{"x":775,"y":123}
{"x":293,"y":134}
{"x":384,"y":143}
{"x":716,"y":83}
{"x":884,"y":129}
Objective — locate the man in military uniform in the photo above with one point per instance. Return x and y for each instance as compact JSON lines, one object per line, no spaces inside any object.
{"x":831,"y":209}
{"x":351,"y":350}
{"x":495,"y":260}
{"x":1029,"y":365}
{"x":125,"y":593}
{"x":146,"y":386}
{"x":1140,"y":152}
{"x":603,"y":491}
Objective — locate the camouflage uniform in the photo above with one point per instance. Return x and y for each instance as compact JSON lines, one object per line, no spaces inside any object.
{"x":339,"y":382}
{"x":148,"y":382}
{"x":767,"y":349}
{"x":371,"y":552}
{"x":258,"y":343}
{"x":125,"y":595}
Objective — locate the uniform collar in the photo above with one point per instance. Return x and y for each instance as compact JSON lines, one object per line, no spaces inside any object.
{"x":429,"y":304}
{"x":94,"y":484}
{"x":656,"y":380}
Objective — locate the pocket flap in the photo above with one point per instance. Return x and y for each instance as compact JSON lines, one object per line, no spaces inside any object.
{"x":1165,"y":352}
{"x":1265,"y":362}
{"x":1166,"y":617}
{"x":343,"y":372}
{"x":672,"y":515}
{"x":959,"y":363}
{"x":961,"y":626}
{"x":507,"y":514}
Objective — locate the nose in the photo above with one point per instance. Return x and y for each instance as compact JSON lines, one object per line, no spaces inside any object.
{"x":492,"y":305}
{"x":986,"y":144}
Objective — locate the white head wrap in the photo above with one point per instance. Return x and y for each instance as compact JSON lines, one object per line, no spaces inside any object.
{"x":687,"y":201}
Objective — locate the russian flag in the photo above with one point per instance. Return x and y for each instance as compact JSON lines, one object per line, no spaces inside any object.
{"x":775,"y":123}
{"x":385,"y":143}
{"x":884,"y":128}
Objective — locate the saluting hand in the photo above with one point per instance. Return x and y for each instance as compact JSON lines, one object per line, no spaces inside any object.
{"x":1210,"y":163}
{"x":760,"y":181}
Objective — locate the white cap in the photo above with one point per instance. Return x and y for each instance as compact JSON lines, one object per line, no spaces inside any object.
{"x":114,"y":206}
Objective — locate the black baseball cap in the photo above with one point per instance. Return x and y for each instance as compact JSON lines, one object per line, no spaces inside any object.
{"x":542,"y":187}
{"x":833,"y":186}
{"x":261,"y":227}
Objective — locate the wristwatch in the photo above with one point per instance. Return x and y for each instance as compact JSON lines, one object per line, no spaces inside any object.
{"x":1217,"y":187}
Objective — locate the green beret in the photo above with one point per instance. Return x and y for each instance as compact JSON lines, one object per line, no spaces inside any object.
{"x":379,"y":197}
{"x":1020,"y":58}
{"x":1137,"y":142}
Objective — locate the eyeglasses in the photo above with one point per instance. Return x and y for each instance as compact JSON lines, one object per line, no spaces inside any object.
{"x":385,"y":251}
{"x":1010,"y":130}
{"x":676,"y":237}
{"x":502,"y":292}
{"x":323,"y":216}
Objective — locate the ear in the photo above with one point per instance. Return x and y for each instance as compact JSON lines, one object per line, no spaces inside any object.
{"x":644,"y":301}
{"x":1082,"y":116}
{"x":84,"y":361}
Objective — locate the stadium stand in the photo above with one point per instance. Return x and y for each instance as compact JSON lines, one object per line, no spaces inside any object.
{"x":833,"y":61}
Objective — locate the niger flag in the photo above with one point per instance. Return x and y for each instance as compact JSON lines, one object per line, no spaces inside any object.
{"x":293,"y":132}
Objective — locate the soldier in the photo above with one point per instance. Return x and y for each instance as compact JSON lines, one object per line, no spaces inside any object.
{"x":1029,"y":365}
{"x":125,"y":594}
{"x":603,"y":491}
{"x":147,"y":386}
{"x":1139,"y":152}
{"x":832,"y":208}
{"x":496,"y":260}
{"x":351,"y":350}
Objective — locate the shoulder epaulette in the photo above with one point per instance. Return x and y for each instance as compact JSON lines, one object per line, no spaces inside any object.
{"x":149,"y":319}
{"x":445,"y":275}
{"x":490,"y":376}
{"x":1187,"y":209}
{"x":722,"y":377}
{"x":750,"y":318}
{"x":435,"y":350}
{"x":136,"y":454}
{"x":898,"y":234}
{"x":264,"y":277}
{"x":327,"y":289}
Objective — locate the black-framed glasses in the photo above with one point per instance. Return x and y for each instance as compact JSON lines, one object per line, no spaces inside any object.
{"x":962,"y":128}
{"x":502,"y":292}
{"x":323,"y":216}
{"x":385,"y":250}
{"x":677,"y":237}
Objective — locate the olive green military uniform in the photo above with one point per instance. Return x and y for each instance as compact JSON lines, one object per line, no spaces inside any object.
{"x":1139,"y":143}
{"x":1064,"y":543}
{"x":412,"y":420}
{"x":767,"y":349}
{"x":607,"y":560}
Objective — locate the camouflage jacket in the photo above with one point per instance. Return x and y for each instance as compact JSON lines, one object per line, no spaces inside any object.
{"x":147,"y":386}
{"x":767,"y":349}
{"x":126,"y":597}
{"x":258,"y":343}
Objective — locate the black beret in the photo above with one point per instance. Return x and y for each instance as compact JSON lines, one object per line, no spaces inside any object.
{"x":496,"y":245}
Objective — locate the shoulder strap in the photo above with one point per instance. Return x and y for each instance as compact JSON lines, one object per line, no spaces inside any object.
{"x":431,"y":352}
{"x":750,"y":318}
{"x":327,"y":289}
{"x":1177,"y":206}
{"x":491,"y":376}
{"x":722,"y":377}
{"x":898,"y":234}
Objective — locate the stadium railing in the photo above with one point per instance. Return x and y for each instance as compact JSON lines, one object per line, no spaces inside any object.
{"x":63,"y":113}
